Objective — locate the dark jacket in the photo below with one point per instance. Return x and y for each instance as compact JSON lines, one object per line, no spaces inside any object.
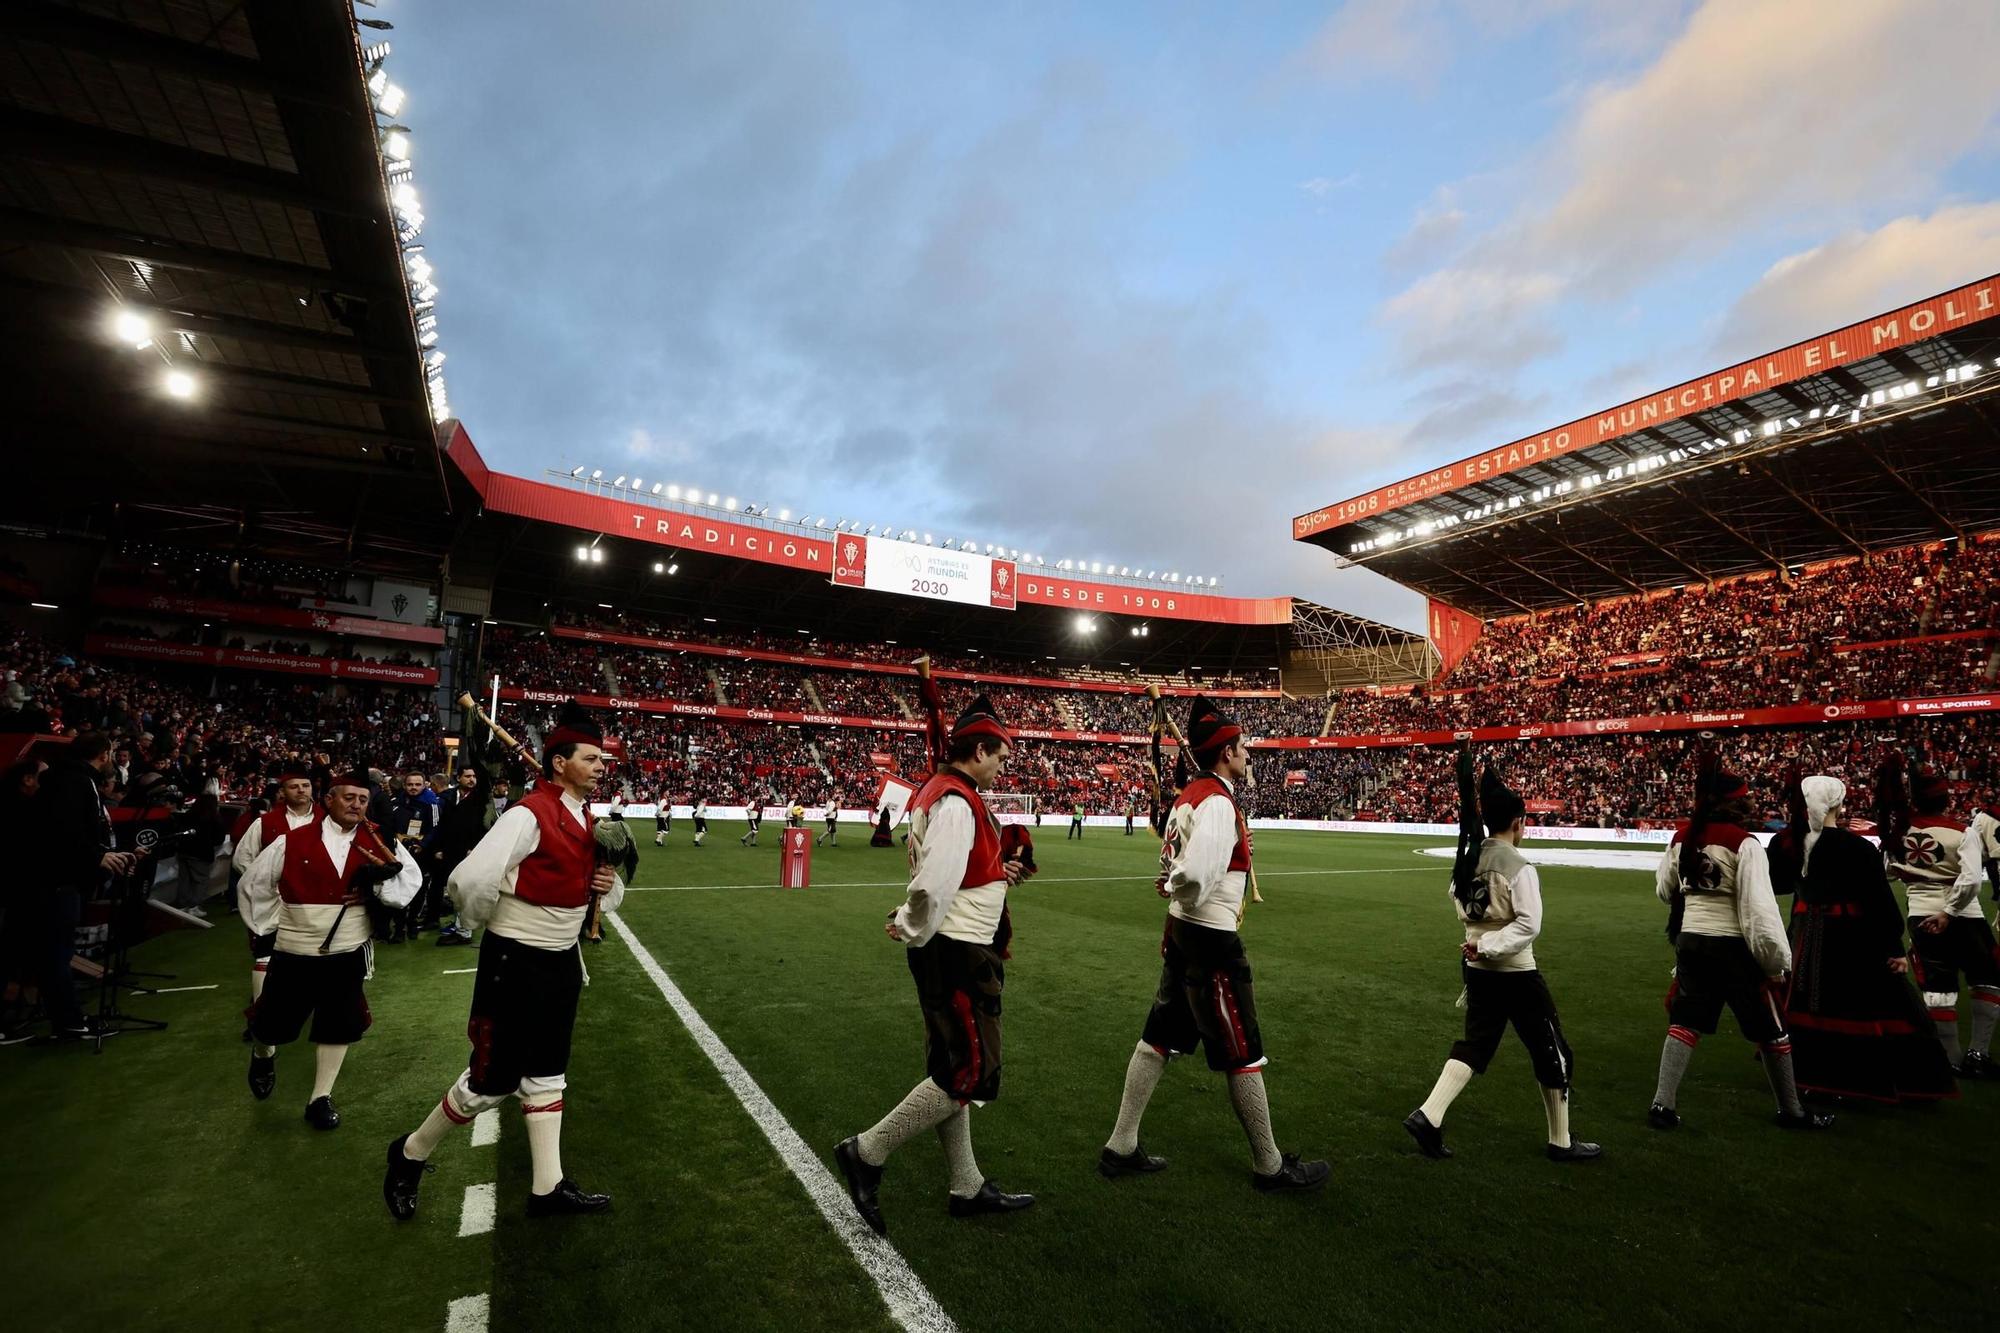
{"x":75,"y":834}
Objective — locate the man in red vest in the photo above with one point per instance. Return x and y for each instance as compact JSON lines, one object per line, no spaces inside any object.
{"x":296,"y":807}
{"x":529,"y":882}
{"x":308,"y":891}
{"x":954,"y":923}
{"x":1204,"y":997}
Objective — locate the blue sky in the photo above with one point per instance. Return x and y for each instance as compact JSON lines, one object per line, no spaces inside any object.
{"x":1138,"y":282}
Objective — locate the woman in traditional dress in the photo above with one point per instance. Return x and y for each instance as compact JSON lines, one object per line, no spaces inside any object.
{"x":1858,"y":1028}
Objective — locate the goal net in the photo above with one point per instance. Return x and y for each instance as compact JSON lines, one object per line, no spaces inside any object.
{"x":1010,"y":807}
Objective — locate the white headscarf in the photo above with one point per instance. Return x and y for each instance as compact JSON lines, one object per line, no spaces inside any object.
{"x":1824,"y":795}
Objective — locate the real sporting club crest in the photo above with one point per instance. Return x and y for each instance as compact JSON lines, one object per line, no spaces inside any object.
{"x":850,"y":561}
{"x":1000,"y":592}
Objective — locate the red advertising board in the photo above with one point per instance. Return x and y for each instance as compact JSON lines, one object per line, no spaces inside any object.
{"x":156,"y":650}
{"x":1958,"y":308}
{"x":1719,"y":719}
{"x":282,"y":617}
{"x":795,"y":858}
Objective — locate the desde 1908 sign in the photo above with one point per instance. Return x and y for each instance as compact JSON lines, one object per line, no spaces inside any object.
{"x":884,"y":565}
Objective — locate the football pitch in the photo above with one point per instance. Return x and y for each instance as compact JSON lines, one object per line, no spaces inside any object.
{"x":147,"y":1189}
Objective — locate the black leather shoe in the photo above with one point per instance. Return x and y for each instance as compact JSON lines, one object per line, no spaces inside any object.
{"x":566,"y":1197}
{"x":990,"y":1200}
{"x":1578,"y":1151}
{"x":1292,"y":1174}
{"x":1429,"y":1137}
{"x":263,"y":1075}
{"x":1663,"y":1117}
{"x":1138,"y":1162}
{"x":320,"y":1113}
{"x":862,"y":1182}
{"x":1807,"y":1120}
{"x":400,"y":1181}
{"x":1977,"y":1064}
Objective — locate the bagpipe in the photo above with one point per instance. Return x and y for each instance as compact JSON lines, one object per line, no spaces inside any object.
{"x":1017,"y":844}
{"x":1466,"y":886}
{"x":1707,"y":764}
{"x":364,"y":884}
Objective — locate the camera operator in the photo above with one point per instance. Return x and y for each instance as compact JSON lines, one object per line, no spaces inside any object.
{"x":76,"y":857}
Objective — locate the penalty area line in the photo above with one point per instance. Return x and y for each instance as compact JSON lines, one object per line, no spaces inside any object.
{"x":1039,"y":879}
{"x":909,"y":1300}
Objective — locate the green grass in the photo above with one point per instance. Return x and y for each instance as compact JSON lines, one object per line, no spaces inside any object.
{"x":149,"y":1188}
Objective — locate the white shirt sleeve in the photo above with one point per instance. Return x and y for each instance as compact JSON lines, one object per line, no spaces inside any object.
{"x":247,"y":848}
{"x":1971,"y":868}
{"x":1206,"y":857}
{"x":943,"y":850}
{"x":402,"y":890}
{"x":257,"y":893}
{"x":1757,"y":910}
{"x":1667,"y":879}
{"x":475,"y":886}
{"x":1519,"y":933}
{"x":617,"y":894}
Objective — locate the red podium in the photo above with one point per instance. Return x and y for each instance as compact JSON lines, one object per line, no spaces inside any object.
{"x":795,"y":859}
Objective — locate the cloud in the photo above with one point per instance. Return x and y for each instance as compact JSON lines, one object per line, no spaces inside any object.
{"x":1417,"y":41}
{"x":1319,"y":187}
{"x":1478,"y":314}
{"x":1759,"y":112}
{"x":1862,"y":273}
{"x":1437,"y":225}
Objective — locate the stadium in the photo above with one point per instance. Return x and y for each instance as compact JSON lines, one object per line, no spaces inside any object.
{"x":248,"y":533}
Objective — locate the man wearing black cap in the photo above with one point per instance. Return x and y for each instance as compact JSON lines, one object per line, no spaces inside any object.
{"x":1204,"y":997}
{"x":295,"y":809}
{"x":1498,"y":898}
{"x":955,"y":926}
{"x":529,"y":882}
{"x":1941,"y":863}
{"x":308,"y":889}
{"x":1731,"y":949}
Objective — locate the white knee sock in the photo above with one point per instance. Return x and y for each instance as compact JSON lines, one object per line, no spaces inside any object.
{"x":326,"y":1068}
{"x":1142,"y":1075}
{"x":545,"y":1144}
{"x":1985,"y":1013}
{"x":955,"y":1133}
{"x":926,"y":1106}
{"x":1253,"y":1109}
{"x":1450,"y":1083}
{"x":1555,"y":1101}
{"x":457,"y":1107}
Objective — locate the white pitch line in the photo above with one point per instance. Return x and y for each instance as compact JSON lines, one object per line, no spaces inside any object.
{"x":486,"y":1127}
{"x":475,"y":1218}
{"x":467,"y":1314}
{"x":459,"y":971}
{"x":909,"y":1300}
{"x":175,"y":990}
{"x":1039,"y":879}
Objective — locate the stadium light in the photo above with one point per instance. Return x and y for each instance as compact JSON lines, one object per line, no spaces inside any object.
{"x":576,"y":472}
{"x":596,"y":555}
{"x":656,"y":487}
{"x":1085,"y":625}
{"x":659,"y":567}
{"x":730,"y":503}
{"x":820,"y":524}
{"x":597,"y":474}
{"x":711,"y":499}
{"x":673,"y":567}
{"x":389,"y":98}
{"x":784,"y":515}
{"x":131,"y":326}
{"x":1096,"y":567}
{"x":178,"y":384}
{"x":396,"y":146}
{"x":620,"y":481}
{"x":583,"y":553}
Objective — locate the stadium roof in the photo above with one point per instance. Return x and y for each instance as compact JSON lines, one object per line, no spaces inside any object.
{"x":210,"y":169}
{"x":752,"y":572}
{"x":1876,"y":435}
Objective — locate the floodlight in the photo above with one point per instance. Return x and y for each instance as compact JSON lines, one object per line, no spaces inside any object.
{"x":179,"y":384}
{"x":131,"y":326}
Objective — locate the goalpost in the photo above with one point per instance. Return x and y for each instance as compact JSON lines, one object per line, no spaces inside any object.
{"x":1010,"y":807}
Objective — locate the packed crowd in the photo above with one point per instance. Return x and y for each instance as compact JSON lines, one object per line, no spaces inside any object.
{"x":1628,"y":780}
